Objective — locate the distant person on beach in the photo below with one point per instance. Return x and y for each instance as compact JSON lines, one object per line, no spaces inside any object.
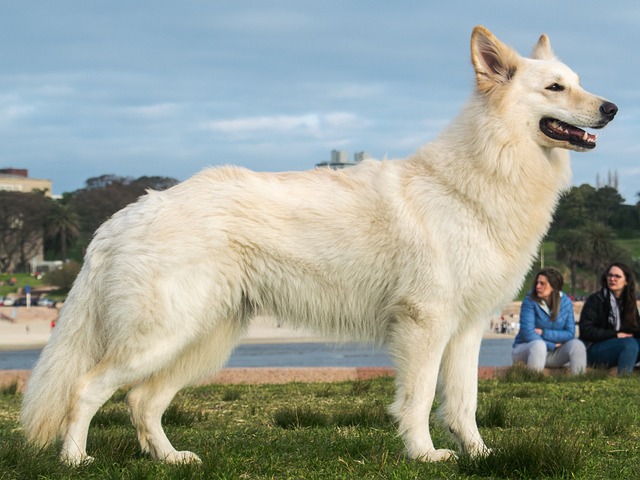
{"x":547,"y":327}
{"x":610,"y":323}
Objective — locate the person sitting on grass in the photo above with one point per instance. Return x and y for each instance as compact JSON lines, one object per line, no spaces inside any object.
{"x":547,"y":327}
{"x":610,"y":323}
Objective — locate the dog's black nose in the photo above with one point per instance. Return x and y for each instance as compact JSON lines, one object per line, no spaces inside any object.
{"x":609,"y":110}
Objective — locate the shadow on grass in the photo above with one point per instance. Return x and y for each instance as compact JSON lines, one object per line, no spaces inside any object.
{"x":520,"y":373}
{"x":306,"y":416}
{"x":495,"y":414}
{"x":10,"y":389}
{"x":519,"y":455}
{"x":175,"y":415}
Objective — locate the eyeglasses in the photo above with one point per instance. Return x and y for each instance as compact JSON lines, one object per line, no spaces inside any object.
{"x":614,"y":275}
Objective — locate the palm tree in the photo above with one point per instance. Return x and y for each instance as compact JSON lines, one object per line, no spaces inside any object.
{"x":63,"y":225}
{"x":602,"y":247}
{"x":591,"y":246}
{"x":573,"y":248}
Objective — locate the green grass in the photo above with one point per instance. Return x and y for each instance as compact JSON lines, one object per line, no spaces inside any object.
{"x":22,"y":279}
{"x":632,"y":245}
{"x":537,"y":427}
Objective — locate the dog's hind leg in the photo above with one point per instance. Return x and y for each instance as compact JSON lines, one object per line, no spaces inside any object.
{"x":417,"y":351}
{"x":148,"y":400}
{"x":91,"y":392}
{"x":458,"y":388}
{"x":129,"y":364}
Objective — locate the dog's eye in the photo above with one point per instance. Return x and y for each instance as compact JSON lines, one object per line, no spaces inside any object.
{"x":555,"y":87}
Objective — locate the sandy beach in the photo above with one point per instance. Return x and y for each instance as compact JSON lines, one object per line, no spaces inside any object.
{"x":24,"y":328}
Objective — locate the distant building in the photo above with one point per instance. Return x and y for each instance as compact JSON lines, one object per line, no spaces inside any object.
{"x":360,"y":156}
{"x":340,"y":159}
{"x":17,"y":180}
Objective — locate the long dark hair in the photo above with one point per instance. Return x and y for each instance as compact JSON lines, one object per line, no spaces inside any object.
{"x":554,"y":277}
{"x":629,"y":307}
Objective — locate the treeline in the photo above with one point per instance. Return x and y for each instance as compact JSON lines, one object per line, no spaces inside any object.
{"x":585,"y":204}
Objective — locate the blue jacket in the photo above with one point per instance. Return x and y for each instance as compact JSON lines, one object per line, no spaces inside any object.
{"x":533,"y":316}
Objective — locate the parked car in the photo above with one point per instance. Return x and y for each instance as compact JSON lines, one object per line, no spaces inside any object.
{"x":46,"y":302}
{"x":20,"y":302}
{"x":7,"y":302}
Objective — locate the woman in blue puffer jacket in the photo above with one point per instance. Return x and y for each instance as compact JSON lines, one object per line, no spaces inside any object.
{"x":548,"y":328}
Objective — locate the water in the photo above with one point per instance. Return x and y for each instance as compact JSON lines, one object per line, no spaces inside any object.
{"x":494,"y":352}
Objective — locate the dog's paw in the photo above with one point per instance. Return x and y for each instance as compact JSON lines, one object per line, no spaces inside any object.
{"x":75,"y":460}
{"x":437,"y":455}
{"x":182,"y":457}
{"x":479,"y":450}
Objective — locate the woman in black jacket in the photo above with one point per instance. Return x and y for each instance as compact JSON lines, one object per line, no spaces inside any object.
{"x":610,"y":322}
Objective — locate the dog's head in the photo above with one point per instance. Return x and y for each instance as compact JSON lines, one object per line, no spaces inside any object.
{"x":540,"y":93}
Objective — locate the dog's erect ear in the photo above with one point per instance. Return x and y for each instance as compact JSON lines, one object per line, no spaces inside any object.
{"x":542,"y":49}
{"x":494,"y":62}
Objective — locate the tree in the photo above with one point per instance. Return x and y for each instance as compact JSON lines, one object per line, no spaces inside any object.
{"x":604,"y":203}
{"x":572,"y":247}
{"x":22,"y":220}
{"x":591,"y":246}
{"x":99,"y":200}
{"x":64,"y":277}
{"x":602,"y":247}
{"x":154,"y":183}
{"x":105,"y":195}
{"x":63,"y":226}
{"x":573,"y":208}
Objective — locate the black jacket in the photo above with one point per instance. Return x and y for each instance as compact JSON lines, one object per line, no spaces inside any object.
{"x":594,"y":319}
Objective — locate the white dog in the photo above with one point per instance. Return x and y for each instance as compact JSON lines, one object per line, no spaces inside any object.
{"x":414,"y":254}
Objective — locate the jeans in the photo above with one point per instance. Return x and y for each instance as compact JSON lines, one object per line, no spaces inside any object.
{"x":536,"y":356}
{"x":623,"y":352}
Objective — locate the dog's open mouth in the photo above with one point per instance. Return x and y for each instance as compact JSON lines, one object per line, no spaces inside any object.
{"x":558,"y":130}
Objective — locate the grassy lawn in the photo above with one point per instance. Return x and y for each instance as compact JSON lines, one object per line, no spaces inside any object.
{"x":632,"y":245}
{"x":22,"y":279}
{"x":558,"y":427}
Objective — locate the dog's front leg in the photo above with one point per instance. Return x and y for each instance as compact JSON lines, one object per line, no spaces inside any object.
{"x":417,"y":351}
{"x":458,"y":387}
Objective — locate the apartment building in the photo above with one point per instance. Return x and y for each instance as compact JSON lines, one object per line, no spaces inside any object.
{"x":17,"y":180}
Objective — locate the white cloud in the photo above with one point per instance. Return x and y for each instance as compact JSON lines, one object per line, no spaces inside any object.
{"x":310,"y":124}
{"x":12,"y":108}
{"x":154,"y":110}
{"x":265,"y":21}
{"x":351,"y":91}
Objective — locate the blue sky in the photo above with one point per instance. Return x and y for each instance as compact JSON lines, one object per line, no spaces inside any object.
{"x":168,"y":88}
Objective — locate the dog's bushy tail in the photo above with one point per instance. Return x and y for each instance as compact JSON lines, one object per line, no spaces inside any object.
{"x":69,"y":354}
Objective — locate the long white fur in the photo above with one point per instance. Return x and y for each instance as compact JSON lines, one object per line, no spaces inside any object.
{"x":413,"y":254}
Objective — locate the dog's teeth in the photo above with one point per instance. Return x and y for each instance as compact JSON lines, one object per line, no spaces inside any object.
{"x":585,"y":137}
